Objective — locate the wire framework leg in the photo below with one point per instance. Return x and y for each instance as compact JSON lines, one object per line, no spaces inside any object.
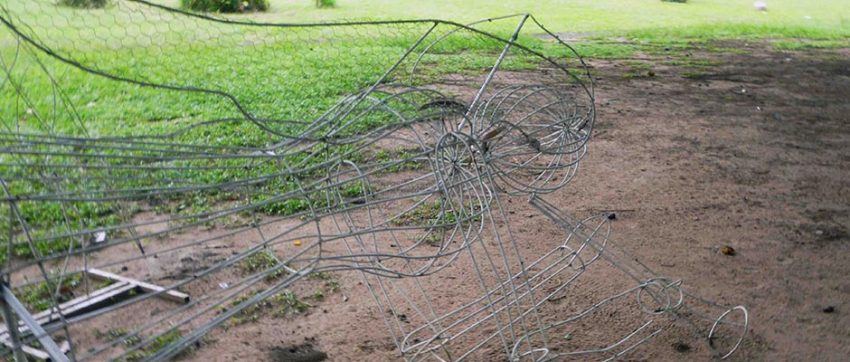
{"x":402,"y":161}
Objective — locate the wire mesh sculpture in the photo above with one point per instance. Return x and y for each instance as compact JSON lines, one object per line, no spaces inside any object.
{"x":405,"y":180}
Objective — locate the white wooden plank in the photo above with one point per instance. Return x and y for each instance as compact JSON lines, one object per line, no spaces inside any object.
{"x":172,"y":295}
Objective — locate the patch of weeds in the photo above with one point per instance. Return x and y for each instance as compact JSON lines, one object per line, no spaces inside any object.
{"x":639,"y":70}
{"x":47,"y":222}
{"x":331,"y":284}
{"x":115,"y":334}
{"x":156,"y":345}
{"x":225,"y":6}
{"x":248,"y":314}
{"x":693,"y":68}
{"x":325,"y":3}
{"x":798,"y":44}
{"x":424,"y":213}
{"x":389,"y":160}
{"x":696,"y":75}
{"x":85,"y":4}
{"x":434,"y":238}
{"x":725,"y":50}
{"x":283,"y":304}
{"x":692,"y":62}
{"x":436,"y":219}
{"x":595,"y":49}
{"x":435,"y":214}
{"x":39,"y":296}
{"x":354,"y":189}
{"x":289,"y":303}
{"x":261,"y":261}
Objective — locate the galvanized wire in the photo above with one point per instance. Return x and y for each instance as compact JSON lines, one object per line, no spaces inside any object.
{"x":403,"y":180}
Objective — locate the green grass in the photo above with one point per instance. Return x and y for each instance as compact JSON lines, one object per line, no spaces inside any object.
{"x":40,"y":296}
{"x":283,"y":304}
{"x":298,"y":73}
{"x":331,"y":284}
{"x":697,"y":18}
{"x":261,"y":261}
{"x":156,"y":345}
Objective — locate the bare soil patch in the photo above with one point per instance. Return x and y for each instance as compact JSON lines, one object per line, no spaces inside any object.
{"x":751,"y":152}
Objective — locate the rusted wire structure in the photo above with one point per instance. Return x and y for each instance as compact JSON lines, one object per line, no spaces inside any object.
{"x":392,"y":150}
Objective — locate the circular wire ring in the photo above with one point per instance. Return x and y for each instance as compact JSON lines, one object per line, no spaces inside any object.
{"x":743,"y":332}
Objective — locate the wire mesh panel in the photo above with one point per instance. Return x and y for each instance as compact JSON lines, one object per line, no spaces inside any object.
{"x":138,"y":139}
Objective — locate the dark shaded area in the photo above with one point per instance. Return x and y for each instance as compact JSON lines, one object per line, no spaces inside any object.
{"x":300,"y":353}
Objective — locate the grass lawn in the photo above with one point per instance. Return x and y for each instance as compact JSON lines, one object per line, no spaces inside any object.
{"x":298,"y":73}
{"x":703,"y":19}
{"x":295,"y":73}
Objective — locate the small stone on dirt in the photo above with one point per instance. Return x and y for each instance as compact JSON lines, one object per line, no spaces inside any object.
{"x":829,"y":309}
{"x":612,"y":216}
{"x":727,"y":250}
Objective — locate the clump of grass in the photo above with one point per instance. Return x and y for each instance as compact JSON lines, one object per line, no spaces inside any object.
{"x":331,"y":284}
{"x":426,"y":212}
{"x":389,"y":160}
{"x":261,"y":261}
{"x":39,"y":296}
{"x":225,"y":6}
{"x":156,"y":345}
{"x":437,"y":215}
{"x":693,"y":75}
{"x":436,"y":219}
{"x":289,"y":303}
{"x":325,"y":3}
{"x":799,"y":44}
{"x":639,"y":70}
{"x":119,"y":333}
{"x":354,"y":189}
{"x":283,"y":304}
{"x":85,"y":4}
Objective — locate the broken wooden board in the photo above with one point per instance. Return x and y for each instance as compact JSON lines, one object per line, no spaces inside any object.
{"x":169,"y":294}
{"x":75,"y":306}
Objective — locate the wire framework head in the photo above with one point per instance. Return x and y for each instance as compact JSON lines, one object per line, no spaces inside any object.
{"x":399,"y":167}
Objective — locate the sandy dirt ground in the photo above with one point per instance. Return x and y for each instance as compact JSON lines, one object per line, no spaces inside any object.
{"x":751,"y":152}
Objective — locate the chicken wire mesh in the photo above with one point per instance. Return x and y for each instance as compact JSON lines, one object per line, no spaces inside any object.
{"x":139,"y":137}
